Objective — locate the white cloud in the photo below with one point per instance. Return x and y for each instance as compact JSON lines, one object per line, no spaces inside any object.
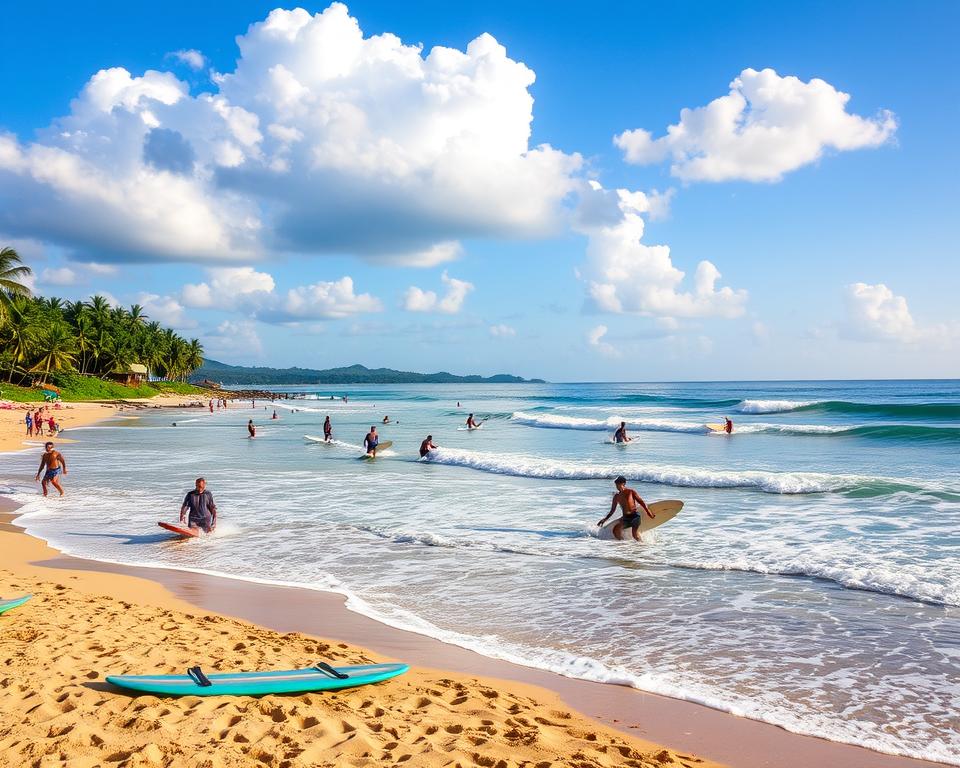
{"x":766,"y":126}
{"x":623,"y":275}
{"x":234,"y":339}
{"x":875,"y":312}
{"x":58,"y":276}
{"x":164,"y":309}
{"x":417,"y":300}
{"x":502,"y":331}
{"x":317,"y":133}
{"x":191,"y":57}
{"x":100,"y":269}
{"x":595,"y":340}
{"x":228,"y":286}
{"x":321,"y":301}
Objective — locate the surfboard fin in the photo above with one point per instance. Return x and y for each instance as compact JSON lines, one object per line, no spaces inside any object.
{"x":198,"y":677}
{"x":324,"y":667}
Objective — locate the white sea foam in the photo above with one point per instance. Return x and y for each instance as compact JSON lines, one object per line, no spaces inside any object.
{"x":553,"y":421}
{"x":772,"y":406}
{"x":531,"y":466}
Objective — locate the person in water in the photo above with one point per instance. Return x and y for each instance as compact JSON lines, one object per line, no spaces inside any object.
{"x":627,"y":499}
{"x":52,"y":464}
{"x":199,"y":505}
{"x":727,"y":426}
{"x":472,"y":422}
{"x":371,"y":441}
{"x":251,"y":429}
{"x":386,"y":419}
{"x":327,"y":429}
{"x":621,"y":436}
{"x":274,"y":414}
{"x":426,"y":446}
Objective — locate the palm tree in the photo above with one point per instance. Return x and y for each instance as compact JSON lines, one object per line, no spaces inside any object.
{"x":12,"y":273}
{"x":59,"y":350}
{"x":136,"y":315}
{"x":194,"y":357}
{"x":19,"y":332}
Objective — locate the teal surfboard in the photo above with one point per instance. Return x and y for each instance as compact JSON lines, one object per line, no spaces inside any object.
{"x":259,"y":683}
{"x":6,"y":605}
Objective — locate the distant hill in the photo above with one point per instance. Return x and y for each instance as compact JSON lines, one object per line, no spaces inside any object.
{"x":353,"y":374}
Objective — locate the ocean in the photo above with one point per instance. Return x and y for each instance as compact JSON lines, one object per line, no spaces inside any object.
{"x":812,"y":579}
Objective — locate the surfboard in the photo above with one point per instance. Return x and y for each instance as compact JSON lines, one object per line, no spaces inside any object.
{"x":180,"y":531}
{"x":315,"y":439}
{"x":8,"y":605}
{"x":259,"y":683}
{"x":664,"y":512}
{"x":380,"y":447}
{"x":716,"y":427}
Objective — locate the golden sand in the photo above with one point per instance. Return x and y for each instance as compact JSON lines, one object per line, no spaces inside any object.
{"x":56,"y":709}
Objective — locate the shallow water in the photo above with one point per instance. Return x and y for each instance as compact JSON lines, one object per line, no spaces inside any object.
{"x":812,"y":579}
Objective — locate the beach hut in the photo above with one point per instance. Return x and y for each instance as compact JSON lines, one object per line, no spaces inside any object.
{"x":134,"y":376}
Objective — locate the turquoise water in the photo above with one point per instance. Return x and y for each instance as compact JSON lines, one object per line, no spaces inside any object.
{"x":812,"y":579}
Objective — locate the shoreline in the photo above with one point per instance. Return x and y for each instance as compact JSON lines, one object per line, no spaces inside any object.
{"x":654,"y":720}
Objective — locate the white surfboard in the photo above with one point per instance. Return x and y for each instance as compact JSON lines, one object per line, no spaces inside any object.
{"x":315,"y":439}
{"x":664,"y":512}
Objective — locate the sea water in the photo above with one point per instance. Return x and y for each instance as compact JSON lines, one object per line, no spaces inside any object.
{"x":812,"y":579}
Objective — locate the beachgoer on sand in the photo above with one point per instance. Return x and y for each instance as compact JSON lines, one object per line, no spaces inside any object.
{"x":52,"y":464}
{"x":627,"y":499}
{"x":29,"y":421}
{"x":199,"y":510}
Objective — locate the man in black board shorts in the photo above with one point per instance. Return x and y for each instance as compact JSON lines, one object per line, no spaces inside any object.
{"x":201,"y":508}
{"x":426,"y":446}
{"x":627,"y":499}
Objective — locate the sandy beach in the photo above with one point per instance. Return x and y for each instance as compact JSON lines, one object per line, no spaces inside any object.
{"x":90,"y":619}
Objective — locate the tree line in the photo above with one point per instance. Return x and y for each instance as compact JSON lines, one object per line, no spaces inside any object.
{"x":43,"y":336}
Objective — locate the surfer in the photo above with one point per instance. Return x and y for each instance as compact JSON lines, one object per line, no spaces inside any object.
{"x":426,"y":446}
{"x":252,"y":430}
{"x":52,"y":464}
{"x":386,"y":419}
{"x":327,"y":430}
{"x":620,"y":436}
{"x":201,"y":508}
{"x":371,"y":441}
{"x":472,"y":423}
{"x":727,"y":426}
{"x":627,"y":499}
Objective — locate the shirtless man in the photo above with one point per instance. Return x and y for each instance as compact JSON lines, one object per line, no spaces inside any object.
{"x":727,"y":426}
{"x":627,"y":499}
{"x":371,"y":441}
{"x":52,"y":464}
{"x":426,"y":446}
{"x":620,"y":436}
{"x":327,"y":430}
{"x":472,"y":422}
{"x":199,"y":504}
{"x":251,"y":429}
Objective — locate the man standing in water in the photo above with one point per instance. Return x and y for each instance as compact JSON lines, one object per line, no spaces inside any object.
{"x":327,"y":430}
{"x":472,"y":422}
{"x":620,"y":436}
{"x":371,"y":441}
{"x":627,"y":499}
{"x":52,"y":464}
{"x":426,"y":446}
{"x":727,"y":426}
{"x":198,"y":503}
{"x":251,"y":430}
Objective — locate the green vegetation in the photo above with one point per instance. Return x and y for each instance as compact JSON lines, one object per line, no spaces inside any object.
{"x":78,"y":346}
{"x":74,"y":388}
{"x":354,"y":374}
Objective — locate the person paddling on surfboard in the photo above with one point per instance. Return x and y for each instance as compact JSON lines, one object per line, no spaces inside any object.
{"x":627,"y":499}
{"x":620,"y":436}
{"x":472,"y":422}
{"x":426,"y":446}
{"x":202,"y":511}
{"x":327,"y":430}
{"x":371,"y":441}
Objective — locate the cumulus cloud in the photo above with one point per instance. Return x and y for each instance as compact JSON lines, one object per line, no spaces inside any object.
{"x":228,"y":287}
{"x":418,"y":300}
{"x":595,"y":340}
{"x":58,"y":276}
{"x":766,"y":126}
{"x":320,"y":141}
{"x":502,"y":331}
{"x":165,"y":310}
{"x":233,"y":339}
{"x":191,"y":57}
{"x":322,"y":301}
{"x":624,"y":275}
{"x":876,"y":313}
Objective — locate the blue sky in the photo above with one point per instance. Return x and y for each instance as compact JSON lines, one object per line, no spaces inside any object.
{"x":234,"y":208}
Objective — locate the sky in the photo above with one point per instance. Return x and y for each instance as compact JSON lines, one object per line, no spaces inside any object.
{"x":626,"y":192}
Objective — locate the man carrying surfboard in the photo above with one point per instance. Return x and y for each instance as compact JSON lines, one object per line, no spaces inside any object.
{"x":371,"y":441}
{"x":627,"y":499}
{"x":201,"y":508}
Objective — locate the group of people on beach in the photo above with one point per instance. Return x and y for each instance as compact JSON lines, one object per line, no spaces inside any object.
{"x":35,"y":421}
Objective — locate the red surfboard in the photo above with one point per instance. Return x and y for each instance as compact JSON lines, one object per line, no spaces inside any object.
{"x":185,"y":532}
